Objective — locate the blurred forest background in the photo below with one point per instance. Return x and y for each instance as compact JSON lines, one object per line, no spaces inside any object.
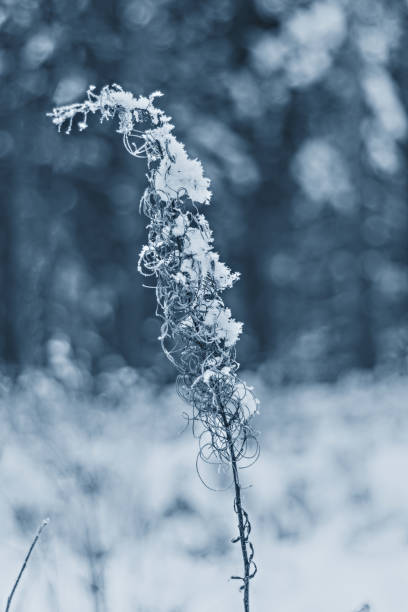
{"x":297,"y":110}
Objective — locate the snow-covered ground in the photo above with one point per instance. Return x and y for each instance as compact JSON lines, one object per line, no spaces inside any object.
{"x":129,"y":515}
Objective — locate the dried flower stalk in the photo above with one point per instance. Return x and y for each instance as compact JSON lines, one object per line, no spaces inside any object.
{"x":198,"y":333}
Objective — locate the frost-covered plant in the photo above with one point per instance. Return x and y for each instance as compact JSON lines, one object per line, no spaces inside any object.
{"x":198,"y":332}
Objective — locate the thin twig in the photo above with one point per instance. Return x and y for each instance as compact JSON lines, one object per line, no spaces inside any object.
{"x":242,"y":535}
{"x":244,"y":526}
{"x":33,"y":543}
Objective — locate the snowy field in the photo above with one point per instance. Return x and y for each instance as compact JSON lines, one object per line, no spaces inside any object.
{"x":133,"y":529}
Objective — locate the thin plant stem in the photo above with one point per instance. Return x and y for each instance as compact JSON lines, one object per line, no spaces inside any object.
{"x":242,"y":535}
{"x":244,"y":526}
{"x":28,"y":555}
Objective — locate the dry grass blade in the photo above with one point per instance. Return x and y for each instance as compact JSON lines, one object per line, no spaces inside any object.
{"x":27,"y":557}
